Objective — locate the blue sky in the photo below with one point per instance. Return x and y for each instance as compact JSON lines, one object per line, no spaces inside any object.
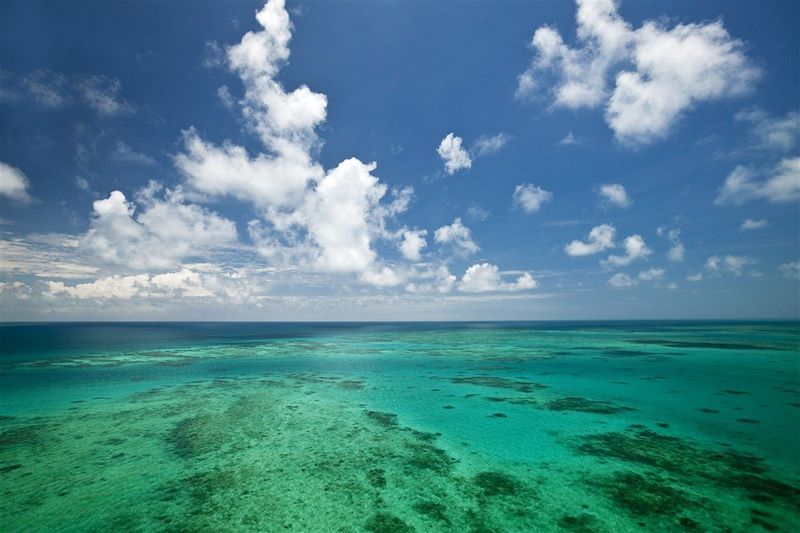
{"x":399,"y":160}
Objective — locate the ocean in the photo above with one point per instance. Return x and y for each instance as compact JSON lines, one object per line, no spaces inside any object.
{"x":395,"y":427}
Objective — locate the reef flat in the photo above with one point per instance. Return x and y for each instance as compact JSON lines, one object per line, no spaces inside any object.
{"x":412,"y":427}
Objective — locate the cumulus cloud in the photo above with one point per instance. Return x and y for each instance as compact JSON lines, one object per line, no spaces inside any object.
{"x":13,"y":183}
{"x":624,"y":280}
{"x":645,"y":78}
{"x":184,"y":283}
{"x":677,"y":251}
{"x":530,"y":197}
{"x":728,"y":264}
{"x":600,"y":238}
{"x":614,"y":194}
{"x":411,"y":244}
{"x":489,"y":144}
{"x":635,"y":249}
{"x":166,"y":231}
{"x":790,"y":270}
{"x":651,"y":274}
{"x":751,"y":224}
{"x":16,"y":289}
{"x":485,"y":277}
{"x":621,"y":280}
{"x":772,"y":133}
{"x":458,"y":235}
{"x":313,"y":219}
{"x":438,"y":279}
{"x":453,"y":155}
{"x":781,"y":186}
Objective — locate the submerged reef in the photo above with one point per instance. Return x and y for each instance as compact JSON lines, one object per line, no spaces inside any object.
{"x":645,"y":495}
{"x":496,"y":483}
{"x":575,"y":403}
{"x":672,"y":468}
{"x":499,"y":383}
{"x":708,"y":344}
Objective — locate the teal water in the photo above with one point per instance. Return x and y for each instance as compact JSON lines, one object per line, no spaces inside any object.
{"x":615,"y":426}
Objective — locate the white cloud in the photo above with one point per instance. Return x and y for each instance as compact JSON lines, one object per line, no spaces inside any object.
{"x":695,"y":277}
{"x":271,"y":183}
{"x":731,"y":264}
{"x":635,"y":249}
{"x":337,"y":217}
{"x":16,"y":289}
{"x":751,"y":224}
{"x":783,"y":185}
{"x":82,"y":183}
{"x":184,"y":283}
{"x":453,"y":155}
{"x":600,"y":238}
{"x":772,"y":133}
{"x":213,"y":55}
{"x":677,"y":251}
{"x":441,"y":281}
{"x":103,"y":95}
{"x":485,"y":277}
{"x":621,"y":280}
{"x":124,"y":153}
{"x":614,"y":194}
{"x":531,"y":197}
{"x":166,"y":231}
{"x":46,"y":87}
{"x":651,"y":274}
{"x":412,"y":243}
{"x":570,"y":140}
{"x":486,"y":145}
{"x":658,"y":73}
{"x":13,"y":183}
{"x":225,"y":96}
{"x":44,"y":255}
{"x":313,"y":219}
{"x":458,"y":235}
{"x":477,"y":213}
{"x":790,"y":270}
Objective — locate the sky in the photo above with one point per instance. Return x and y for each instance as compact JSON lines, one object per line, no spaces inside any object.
{"x":399,"y":160}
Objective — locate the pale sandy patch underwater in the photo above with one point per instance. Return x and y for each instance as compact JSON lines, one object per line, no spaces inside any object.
{"x":400,"y":427}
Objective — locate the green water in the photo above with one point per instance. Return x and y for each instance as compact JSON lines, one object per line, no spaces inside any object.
{"x":400,"y":427}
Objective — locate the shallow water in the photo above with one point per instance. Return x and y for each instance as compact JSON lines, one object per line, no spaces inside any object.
{"x":400,"y":427}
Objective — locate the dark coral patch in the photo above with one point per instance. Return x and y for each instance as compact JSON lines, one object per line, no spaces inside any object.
{"x":496,"y":483}
{"x":707,"y":344}
{"x":500,"y":383}
{"x":643,"y":496}
{"x":386,"y":523}
{"x":376,"y":477}
{"x":387,"y":420}
{"x":432,"y":510}
{"x":426,"y":456}
{"x":584,"y":405}
{"x":582,"y":523}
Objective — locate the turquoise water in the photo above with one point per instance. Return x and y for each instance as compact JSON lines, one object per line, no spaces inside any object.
{"x":400,"y":427}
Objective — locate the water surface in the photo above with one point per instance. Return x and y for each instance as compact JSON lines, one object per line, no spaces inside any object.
{"x":400,"y":427}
